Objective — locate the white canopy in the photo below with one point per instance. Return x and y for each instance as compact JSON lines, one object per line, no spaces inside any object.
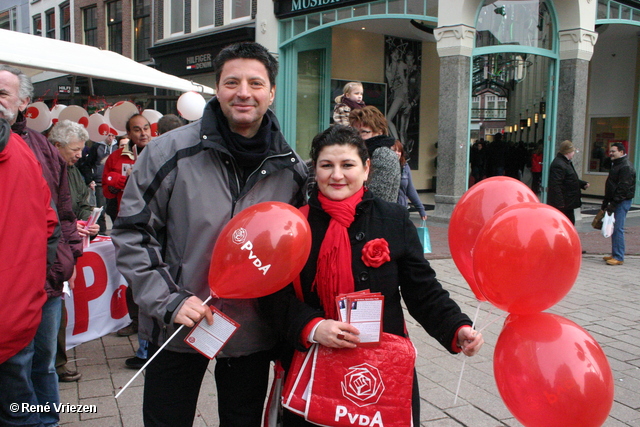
{"x":34,"y":54}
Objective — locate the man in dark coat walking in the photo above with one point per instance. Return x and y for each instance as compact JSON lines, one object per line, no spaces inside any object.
{"x":564,"y":184}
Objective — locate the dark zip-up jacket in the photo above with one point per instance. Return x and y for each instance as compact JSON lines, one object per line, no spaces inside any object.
{"x":183,"y":190}
{"x":621,"y":183}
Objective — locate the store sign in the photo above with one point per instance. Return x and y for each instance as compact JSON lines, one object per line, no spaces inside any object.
{"x":67,"y":89}
{"x":286,"y":8}
{"x":199,"y":62}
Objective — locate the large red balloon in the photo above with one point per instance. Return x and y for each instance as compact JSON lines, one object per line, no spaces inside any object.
{"x":260,"y":251}
{"x":477,"y":206}
{"x":551,"y":372}
{"x":527,"y":258}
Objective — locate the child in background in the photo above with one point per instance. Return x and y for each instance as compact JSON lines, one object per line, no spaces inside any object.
{"x":351,"y":99}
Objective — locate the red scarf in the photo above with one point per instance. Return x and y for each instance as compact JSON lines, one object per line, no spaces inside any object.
{"x":334,"y":275}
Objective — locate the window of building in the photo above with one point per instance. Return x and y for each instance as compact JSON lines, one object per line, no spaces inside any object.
{"x":240,"y":9}
{"x":65,"y":22}
{"x":206,"y":13}
{"x":177,"y":16}
{"x":142,"y":29}
{"x":50,"y":17}
{"x":604,"y":132}
{"x":37,"y":25}
{"x":475,"y":107}
{"x":91,"y":26}
{"x":8,"y":20}
{"x":114,"y":25}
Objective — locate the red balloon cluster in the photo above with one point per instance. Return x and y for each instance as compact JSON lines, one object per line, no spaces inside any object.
{"x":260,"y":251}
{"x":523,"y":257}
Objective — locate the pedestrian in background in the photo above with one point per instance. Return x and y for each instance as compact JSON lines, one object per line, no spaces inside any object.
{"x":564,"y":183}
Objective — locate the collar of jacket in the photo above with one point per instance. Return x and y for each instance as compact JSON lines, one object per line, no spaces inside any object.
{"x":211,"y":138}
{"x":20,"y":126}
{"x":619,"y":160}
{"x":127,"y":151}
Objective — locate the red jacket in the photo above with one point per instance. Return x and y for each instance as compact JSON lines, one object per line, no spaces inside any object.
{"x":27,"y":220}
{"x":114,"y":175}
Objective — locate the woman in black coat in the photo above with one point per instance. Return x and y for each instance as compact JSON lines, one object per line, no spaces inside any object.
{"x":344,"y":220}
{"x":564,"y":184}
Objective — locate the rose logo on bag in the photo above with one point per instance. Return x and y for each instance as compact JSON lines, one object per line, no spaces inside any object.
{"x":239,"y":236}
{"x":363,"y":385}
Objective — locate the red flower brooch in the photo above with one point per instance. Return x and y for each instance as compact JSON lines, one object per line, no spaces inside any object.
{"x":375,"y":253}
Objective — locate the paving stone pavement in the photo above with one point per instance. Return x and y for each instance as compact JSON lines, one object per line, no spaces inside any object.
{"x":605,"y":300}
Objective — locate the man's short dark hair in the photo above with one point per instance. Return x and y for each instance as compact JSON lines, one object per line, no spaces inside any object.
{"x":169,"y":122}
{"x":619,"y":146}
{"x":247,"y":50}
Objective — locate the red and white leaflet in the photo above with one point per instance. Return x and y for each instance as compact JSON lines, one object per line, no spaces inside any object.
{"x":365,"y":313}
{"x":207,"y":339}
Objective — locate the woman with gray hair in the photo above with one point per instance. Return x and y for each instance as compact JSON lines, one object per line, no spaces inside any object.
{"x":69,"y":138}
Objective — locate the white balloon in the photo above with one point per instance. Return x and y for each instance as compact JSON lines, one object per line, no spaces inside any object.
{"x":120,"y":114}
{"x":55,"y":112}
{"x":38,"y":116}
{"x":98,"y":129}
{"x":191,"y":105}
{"x":107,"y":120}
{"x":75,"y":113}
{"x":152,"y":115}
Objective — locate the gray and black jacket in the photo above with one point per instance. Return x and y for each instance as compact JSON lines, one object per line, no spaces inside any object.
{"x":184,"y":189}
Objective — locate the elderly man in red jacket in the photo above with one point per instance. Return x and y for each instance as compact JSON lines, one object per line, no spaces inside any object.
{"x":27,"y":247}
{"x":18,"y":91}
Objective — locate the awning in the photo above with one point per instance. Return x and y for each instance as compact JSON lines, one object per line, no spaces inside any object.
{"x":34,"y":54}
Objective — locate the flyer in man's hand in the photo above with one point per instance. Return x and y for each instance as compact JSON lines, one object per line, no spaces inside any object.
{"x":363,"y":310}
{"x":207,"y":339}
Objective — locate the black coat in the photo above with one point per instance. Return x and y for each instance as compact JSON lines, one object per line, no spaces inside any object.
{"x":621,"y":182}
{"x":407,"y":275}
{"x":564,"y":184}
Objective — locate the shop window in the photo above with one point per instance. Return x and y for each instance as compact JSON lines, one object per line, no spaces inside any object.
{"x":142,"y":29}
{"x":50,"y":18}
{"x":604,"y":132}
{"x":114,"y":25}
{"x":8,"y":19}
{"x":91,"y":26}
{"x":65,"y":22}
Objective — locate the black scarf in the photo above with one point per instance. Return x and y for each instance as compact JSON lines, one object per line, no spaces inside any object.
{"x":376,"y":142}
{"x":248,"y":152}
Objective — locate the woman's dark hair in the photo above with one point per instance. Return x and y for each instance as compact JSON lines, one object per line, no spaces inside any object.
{"x":338,"y":135}
{"x":399,"y":147}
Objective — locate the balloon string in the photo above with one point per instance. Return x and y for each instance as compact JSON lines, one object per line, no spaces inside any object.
{"x":475,"y":317}
{"x":493,"y":321}
{"x":155,"y":354}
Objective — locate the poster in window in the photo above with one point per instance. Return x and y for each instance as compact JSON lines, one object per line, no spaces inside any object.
{"x":403,"y":61}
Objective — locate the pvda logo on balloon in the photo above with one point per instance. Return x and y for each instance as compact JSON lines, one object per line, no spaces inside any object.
{"x":239,"y":237}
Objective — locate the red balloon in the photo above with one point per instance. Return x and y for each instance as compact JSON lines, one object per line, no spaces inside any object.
{"x":551,"y":372}
{"x":154,"y":129}
{"x":260,"y":251}
{"x":477,"y":206}
{"x":527,"y":258}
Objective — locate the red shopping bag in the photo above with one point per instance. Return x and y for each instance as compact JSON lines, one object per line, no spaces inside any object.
{"x":365,"y":386}
{"x":296,"y":386}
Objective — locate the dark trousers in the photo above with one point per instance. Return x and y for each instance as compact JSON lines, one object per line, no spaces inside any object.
{"x":571,"y":214}
{"x":173,"y":380}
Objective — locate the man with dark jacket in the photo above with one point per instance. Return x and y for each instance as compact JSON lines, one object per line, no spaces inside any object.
{"x":618,"y":192}
{"x":19,"y":89}
{"x":564,"y":184}
{"x":185,"y":187}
